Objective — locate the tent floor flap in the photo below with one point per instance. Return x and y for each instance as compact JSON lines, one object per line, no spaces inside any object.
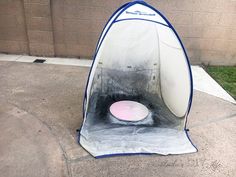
{"x":125,"y":140}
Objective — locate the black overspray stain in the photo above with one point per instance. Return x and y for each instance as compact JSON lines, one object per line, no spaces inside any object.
{"x":160,"y":114}
{"x":132,"y":84}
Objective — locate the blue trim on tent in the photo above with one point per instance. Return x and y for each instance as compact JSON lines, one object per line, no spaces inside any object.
{"x":187,"y":59}
{"x":131,"y":154}
{"x":112,"y":155}
{"x":126,"y":6}
{"x":186,"y":132}
{"x":141,"y":19}
{"x":122,"y":154}
{"x":85,"y":94}
{"x":96,"y":49}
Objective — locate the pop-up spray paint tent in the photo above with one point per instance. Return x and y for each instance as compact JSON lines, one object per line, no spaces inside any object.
{"x":139,"y":89}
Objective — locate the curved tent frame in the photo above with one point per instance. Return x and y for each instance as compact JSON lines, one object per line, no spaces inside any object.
{"x":124,"y":14}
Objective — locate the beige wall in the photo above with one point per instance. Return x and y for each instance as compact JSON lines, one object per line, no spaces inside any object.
{"x":39,"y":27}
{"x":70,"y":28}
{"x":13,"y":37}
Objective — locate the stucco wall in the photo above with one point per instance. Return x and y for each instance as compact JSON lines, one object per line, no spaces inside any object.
{"x":70,"y":28}
{"x":13,"y":37}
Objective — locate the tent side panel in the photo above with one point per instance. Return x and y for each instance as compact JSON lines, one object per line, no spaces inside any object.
{"x":174,"y":72}
{"x":109,"y":23}
{"x":91,"y":72}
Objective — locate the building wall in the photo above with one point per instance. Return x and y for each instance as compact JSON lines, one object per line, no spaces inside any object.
{"x":70,"y":28}
{"x":38,"y":16}
{"x":13,"y":36}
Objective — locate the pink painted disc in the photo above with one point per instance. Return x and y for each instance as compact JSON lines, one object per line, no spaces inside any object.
{"x":129,"y":110}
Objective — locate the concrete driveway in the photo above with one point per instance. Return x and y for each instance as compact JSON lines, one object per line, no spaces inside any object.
{"x":41,"y":108}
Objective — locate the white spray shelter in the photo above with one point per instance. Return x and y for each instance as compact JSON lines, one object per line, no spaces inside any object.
{"x":139,"y":58}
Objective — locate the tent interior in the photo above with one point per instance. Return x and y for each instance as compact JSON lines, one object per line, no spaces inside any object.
{"x":142,"y":61}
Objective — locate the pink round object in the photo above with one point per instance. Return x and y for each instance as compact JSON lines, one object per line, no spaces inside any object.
{"x":129,"y":110}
